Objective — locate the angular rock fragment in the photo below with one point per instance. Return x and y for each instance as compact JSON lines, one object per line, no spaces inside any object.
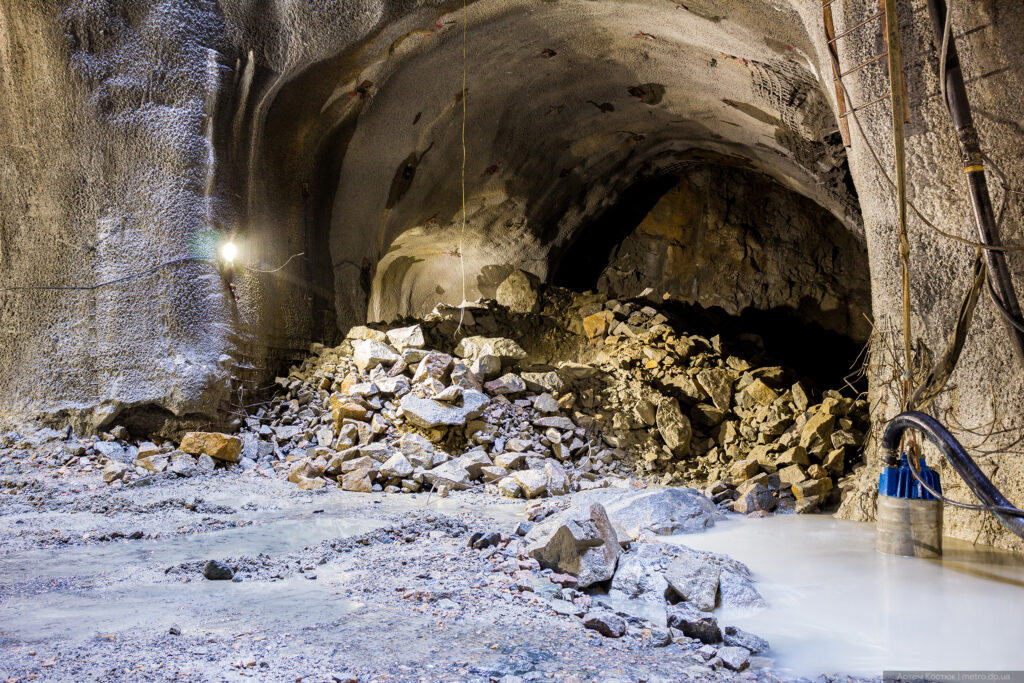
{"x":427,"y":413}
{"x":368,"y":353}
{"x":759,"y":498}
{"x":221,"y":446}
{"x":737,"y":637}
{"x":500,"y":347}
{"x":585,"y":547}
{"x":403,"y":338}
{"x":607,"y":624}
{"x":518,"y":292}
{"x":674,"y":427}
{"x":694,"y":578}
{"x":694,"y":623}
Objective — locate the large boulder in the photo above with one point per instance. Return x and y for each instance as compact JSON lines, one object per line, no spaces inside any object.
{"x":663,"y":512}
{"x":694,"y":578}
{"x":584,"y":546}
{"x":221,"y":446}
{"x":519,"y":293}
{"x":641,"y":572}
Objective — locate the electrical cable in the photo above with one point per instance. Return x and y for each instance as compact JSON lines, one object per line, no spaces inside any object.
{"x":280,"y":267}
{"x":462,"y":232}
{"x":881,"y":169}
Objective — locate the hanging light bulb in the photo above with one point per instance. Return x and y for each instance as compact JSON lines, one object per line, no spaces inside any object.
{"x":228,"y":252}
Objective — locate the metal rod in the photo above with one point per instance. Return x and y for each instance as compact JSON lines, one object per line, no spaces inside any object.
{"x":864,"y":64}
{"x":971,"y":157}
{"x":874,"y":101}
{"x":854,"y":28}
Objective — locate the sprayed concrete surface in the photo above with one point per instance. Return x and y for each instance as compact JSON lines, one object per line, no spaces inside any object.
{"x":835,"y":604}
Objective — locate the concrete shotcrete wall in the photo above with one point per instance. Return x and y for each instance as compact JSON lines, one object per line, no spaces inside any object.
{"x":102,"y":175}
{"x":136,"y":133}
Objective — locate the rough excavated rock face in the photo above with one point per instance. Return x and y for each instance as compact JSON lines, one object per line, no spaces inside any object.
{"x":141,"y":134}
{"x":735,"y":239}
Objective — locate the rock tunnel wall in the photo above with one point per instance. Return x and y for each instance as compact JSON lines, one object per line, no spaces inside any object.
{"x":736,"y":240}
{"x":325,"y":138}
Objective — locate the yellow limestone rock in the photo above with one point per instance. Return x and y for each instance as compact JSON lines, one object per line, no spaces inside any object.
{"x":214,"y":444}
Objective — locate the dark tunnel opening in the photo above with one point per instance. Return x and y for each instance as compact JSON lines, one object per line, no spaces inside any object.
{"x":580,"y":266}
{"x":741,"y":232}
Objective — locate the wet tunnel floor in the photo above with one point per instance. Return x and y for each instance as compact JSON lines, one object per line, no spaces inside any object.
{"x":383,"y":588}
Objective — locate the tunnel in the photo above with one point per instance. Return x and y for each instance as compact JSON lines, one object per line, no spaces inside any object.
{"x":511,"y":340}
{"x":570,"y":140}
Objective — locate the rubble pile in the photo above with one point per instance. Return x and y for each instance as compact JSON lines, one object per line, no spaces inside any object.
{"x":582,"y":394}
{"x":537,"y":394}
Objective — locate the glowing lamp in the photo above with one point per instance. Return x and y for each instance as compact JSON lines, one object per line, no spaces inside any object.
{"x":228,"y":252}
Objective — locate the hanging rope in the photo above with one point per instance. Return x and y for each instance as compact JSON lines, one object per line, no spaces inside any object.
{"x":462,"y":231}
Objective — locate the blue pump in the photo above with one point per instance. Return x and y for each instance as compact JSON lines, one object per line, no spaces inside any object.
{"x":899,"y":482}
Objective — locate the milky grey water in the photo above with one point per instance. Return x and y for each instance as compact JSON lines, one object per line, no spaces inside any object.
{"x":836,"y":605}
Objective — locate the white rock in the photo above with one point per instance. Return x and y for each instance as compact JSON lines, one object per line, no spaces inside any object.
{"x":403,"y":338}
{"x":501,"y":347}
{"x":367,"y":353}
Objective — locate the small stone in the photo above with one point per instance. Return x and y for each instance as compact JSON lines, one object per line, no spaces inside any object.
{"x":546,"y":403}
{"x":114,"y":471}
{"x":182,"y":464}
{"x":174,"y":630}
{"x":694,"y":623}
{"x":757,"y":393}
{"x":605,"y":623}
{"x":718,"y":384}
{"x":812,"y":487}
{"x":596,"y":325}
{"x":434,"y":365}
{"x":505,"y":385}
{"x":509,"y":487}
{"x":311,"y":484}
{"x":741,"y":470}
{"x":797,"y":455}
{"x":734,"y":657}
{"x":759,"y":498}
{"x":216,"y":570}
{"x":153,"y":463}
{"x":800,"y":399}
{"x":147,"y":449}
{"x":558,"y":480}
{"x":205,"y":463}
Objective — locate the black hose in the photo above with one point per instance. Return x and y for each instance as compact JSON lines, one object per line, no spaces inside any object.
{"x":994,"y":501}
{"x":973,"y":162}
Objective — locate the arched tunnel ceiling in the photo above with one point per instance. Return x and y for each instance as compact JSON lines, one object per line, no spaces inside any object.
{"x":568,"y":103}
